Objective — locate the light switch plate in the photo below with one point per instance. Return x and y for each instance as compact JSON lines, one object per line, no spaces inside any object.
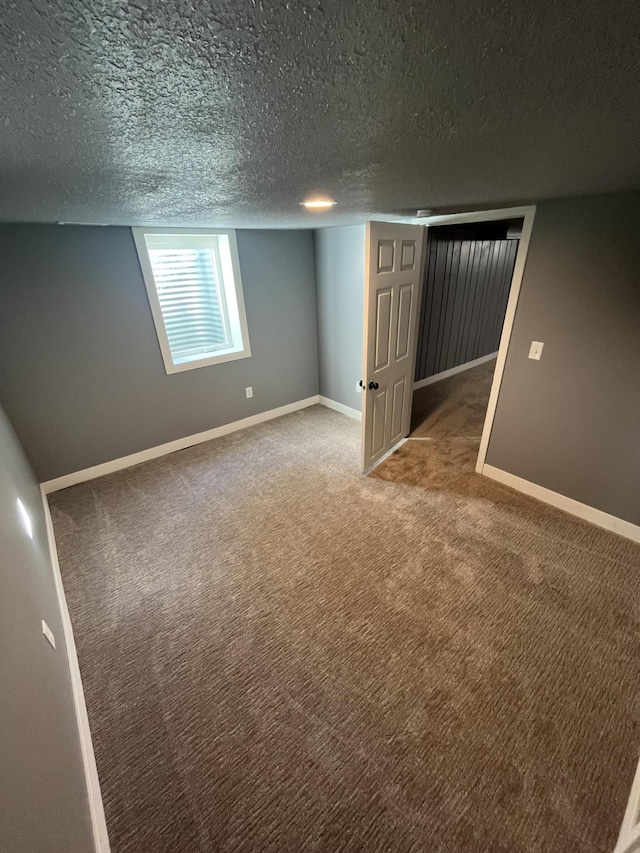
{"x":249,"y":392}
{"x":46,"y":630}
{"x":536,"y":350}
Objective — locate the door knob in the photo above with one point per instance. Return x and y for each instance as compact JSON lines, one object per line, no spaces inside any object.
{"x":373,"y":386}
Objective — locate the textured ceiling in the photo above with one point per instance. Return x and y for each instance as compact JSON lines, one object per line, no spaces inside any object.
{"x":164,"y":111}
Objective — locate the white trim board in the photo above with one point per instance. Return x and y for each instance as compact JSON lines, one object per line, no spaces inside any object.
{"x":528,"y":214}
{"x":96,"y":808}
{"x":171,"y":446}
{"x":340,"y":407}
{"x":475,"y":216}
{"x":588,"y":513}
{"x":429,"y":380}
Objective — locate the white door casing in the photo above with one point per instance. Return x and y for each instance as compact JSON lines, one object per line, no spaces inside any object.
{"x":393,"y":283}
{"x":527,"y":214}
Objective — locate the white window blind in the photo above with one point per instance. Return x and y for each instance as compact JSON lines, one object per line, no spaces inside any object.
{"x":193,"y":282}
{"x":189,"y":292}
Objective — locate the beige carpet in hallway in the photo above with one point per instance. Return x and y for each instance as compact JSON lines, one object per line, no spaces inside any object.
{"x":279,"y":654}
{"x":446,"y":427}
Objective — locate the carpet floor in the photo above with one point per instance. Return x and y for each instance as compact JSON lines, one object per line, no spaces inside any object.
{"x":446,"y":426}
{"x":279,"y":654}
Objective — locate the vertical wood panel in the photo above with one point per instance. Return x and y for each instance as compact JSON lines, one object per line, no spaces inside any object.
{"x":497,"y":293}
{"x":383,"y":329}
{"x":480,"y":297}
{"x":512,"y":249}
{"x":464,"y":300}
{"x":434,"y":318}
{"x":470,"y":306}
{"x":488,"y":278}
{"x":405,"y":298}
{"x":450,"y":248}
{"x":491,"y":295}
{"x":464,"y":314}
{"x":502,"y":294}
{"x":427,"y":299}
{"x":456,"y":311}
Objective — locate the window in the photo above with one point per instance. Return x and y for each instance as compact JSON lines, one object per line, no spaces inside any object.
{"x":194,"y":287}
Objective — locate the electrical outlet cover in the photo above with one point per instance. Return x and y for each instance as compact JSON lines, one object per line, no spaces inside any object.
{"x":535,"y":351}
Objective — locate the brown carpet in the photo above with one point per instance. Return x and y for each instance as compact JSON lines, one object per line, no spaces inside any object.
{"x":279,"y":654}
{"x":447,"y":418}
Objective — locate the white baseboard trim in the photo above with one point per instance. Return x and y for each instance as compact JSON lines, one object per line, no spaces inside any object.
{"x":422,"y":383}
{"x":588,"y":513}
{"x":96,"y":808}
{"x":340,"y":407}
{"x":171,"y":446}
{"x":630,"y":829}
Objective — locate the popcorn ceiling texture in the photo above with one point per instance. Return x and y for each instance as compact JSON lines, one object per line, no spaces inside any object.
{"x":177,"y":112}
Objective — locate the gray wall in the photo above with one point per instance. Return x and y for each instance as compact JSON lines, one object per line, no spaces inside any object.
{"x":43,"y":801}
{"x":464,"y":299}
{"x":339,"y":257}
{"x":571,"y":422}
{"x":81,"y":374}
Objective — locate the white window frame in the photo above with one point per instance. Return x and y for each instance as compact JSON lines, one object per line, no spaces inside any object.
{"x":233,"y":309}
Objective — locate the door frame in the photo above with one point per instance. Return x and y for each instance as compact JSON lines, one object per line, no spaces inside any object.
{"x":527,"y":213}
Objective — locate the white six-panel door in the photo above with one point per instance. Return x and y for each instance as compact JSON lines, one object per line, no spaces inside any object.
{"x":392,"y":301}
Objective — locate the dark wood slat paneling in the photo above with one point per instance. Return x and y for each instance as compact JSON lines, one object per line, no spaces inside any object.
{"x":452,"y":278}
{"x":456,"y":310}
{"x":434,"y":320}
{"x":464,"y":299}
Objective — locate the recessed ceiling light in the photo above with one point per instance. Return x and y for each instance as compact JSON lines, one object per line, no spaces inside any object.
{"x":318,"y":203}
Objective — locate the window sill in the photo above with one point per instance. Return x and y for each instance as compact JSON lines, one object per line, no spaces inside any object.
{"x":219,"y":358}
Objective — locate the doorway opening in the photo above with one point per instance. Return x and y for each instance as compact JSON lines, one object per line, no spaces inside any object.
{"x":468,"y":272}
{"x":468,"y":290}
